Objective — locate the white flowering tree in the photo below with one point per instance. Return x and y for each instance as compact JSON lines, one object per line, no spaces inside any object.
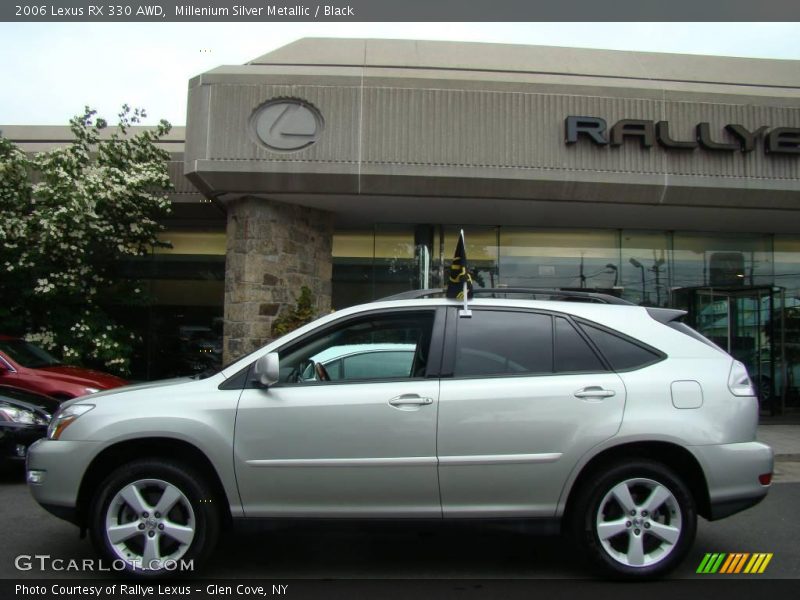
{"x":69,"y":216}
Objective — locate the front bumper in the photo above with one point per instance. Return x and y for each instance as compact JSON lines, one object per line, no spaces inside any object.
{"x":61,"y":465}
{"x":732,"y":472}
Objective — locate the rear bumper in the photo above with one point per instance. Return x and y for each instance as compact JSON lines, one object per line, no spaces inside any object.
{"x":732,"y":472}
{"x":726,"y":508}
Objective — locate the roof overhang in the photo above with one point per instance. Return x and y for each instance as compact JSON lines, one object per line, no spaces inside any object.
{"x":410,"y":131}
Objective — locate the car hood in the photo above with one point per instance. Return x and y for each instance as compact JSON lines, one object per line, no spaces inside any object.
{"x":81,"y":376}
{"x":119,"y":391}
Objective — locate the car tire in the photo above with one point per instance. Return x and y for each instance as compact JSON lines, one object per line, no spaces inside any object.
{"x":153,"y":518}
{"x":634,"y":519}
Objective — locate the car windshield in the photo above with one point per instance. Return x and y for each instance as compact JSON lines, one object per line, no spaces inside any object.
{"x":28,"y":355}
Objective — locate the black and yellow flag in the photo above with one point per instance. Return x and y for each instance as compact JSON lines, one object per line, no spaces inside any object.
{"x":459,"y":272}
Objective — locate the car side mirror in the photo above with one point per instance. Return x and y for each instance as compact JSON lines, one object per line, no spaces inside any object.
{"x":267,"y":369}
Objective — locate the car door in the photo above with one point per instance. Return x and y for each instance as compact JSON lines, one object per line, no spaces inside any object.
{"x":527,"y":395}
{"x":362,"y":443}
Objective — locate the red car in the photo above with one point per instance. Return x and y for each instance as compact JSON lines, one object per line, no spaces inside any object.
{"x":26,"y":366}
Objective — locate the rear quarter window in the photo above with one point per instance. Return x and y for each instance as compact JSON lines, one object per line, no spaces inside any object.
{"x":572,"y":353}
{"x":621,"y":352}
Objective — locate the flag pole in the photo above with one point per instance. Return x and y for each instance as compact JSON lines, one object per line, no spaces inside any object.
{"x":465,"y":312}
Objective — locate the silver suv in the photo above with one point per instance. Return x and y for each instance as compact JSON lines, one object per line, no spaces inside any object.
{"x":613,"y":422}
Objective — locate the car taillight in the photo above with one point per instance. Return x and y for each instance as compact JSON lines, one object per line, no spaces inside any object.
{"x":739,"y":381}
{"x":765,"y":479}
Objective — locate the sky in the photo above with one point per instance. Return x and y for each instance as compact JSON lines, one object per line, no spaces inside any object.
{"x":51,"y":71}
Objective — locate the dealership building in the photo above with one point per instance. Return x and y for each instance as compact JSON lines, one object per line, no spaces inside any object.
{"x":349,"y":166}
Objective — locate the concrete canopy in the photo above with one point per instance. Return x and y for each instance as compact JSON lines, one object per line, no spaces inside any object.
{"x":412,"y":131}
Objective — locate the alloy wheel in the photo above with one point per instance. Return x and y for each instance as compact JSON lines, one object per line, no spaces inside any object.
{"x":638,"y":522}
{"x":149,"y":522}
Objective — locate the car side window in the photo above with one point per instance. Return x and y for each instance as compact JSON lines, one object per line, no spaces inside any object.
{"x":572,"y":353}
{"x":376,"y":347}
{"x":378,"y":364}
{"x":503,"y":343}
{"x":622,"y":354}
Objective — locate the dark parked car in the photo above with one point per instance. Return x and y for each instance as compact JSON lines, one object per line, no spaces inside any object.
{"x":29,"y":367}
{"x":24,"y":417}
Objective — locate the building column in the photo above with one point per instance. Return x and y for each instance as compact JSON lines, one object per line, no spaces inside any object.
{"x":273,"y":250}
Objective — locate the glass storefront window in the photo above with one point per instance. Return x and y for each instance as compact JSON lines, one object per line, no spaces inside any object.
{"x":559,"y":258}
{"x":787,"y":265}
{"x":646,"y":274}
{"x":371,"y":264}
{"x":193,"y":242}
{"x":353,"y":258}
{"x":716,"y":260}
{"x":395,"y":269}
{"x":180,"y":325}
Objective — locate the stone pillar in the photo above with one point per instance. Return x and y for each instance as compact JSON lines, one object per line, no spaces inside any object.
{"x":273,"y":250}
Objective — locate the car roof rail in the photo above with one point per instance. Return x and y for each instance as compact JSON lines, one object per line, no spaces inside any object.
{"x":538,"y":293}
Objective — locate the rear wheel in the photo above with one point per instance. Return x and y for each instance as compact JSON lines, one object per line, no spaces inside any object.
{"x":635,"y":520}
{"x":154,"y":518}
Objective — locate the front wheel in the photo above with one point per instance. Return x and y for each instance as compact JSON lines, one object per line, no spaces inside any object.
{"x":153,"y":518}
{"x":635,"y":520}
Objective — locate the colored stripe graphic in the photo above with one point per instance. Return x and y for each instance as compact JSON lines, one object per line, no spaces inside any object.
{"x":758,"y":563}
{"x":765,"y":563}
{"x":741,"y":562}
{"x":732,"y":558}
{"x":703,"y":563}
{"x":711,"y":563}
{"x":733,"y":563}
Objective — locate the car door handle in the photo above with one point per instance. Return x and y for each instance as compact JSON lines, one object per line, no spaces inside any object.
{"x":594,"y":391}
{"x":410,"y":400}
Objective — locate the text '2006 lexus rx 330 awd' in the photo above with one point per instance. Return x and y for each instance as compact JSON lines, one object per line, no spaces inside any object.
{"x":617,"y":423}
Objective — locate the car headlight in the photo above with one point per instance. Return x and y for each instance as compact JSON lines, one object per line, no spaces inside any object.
{"x":64,"y":418}
{"x":21,"y":416}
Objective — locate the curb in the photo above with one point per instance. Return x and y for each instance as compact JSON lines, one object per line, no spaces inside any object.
{"x":787,"y":458}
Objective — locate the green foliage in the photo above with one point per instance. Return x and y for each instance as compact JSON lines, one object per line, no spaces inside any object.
{"x":70,"y":215}
{"x":292,"y":318}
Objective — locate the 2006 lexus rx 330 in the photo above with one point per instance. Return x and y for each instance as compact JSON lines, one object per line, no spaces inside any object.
{"x":616,"y":422}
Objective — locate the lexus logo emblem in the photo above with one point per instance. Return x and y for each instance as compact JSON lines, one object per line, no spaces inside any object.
{"x":287,"y":124}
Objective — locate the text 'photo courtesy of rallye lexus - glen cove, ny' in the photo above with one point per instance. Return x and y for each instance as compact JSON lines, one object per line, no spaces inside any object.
{"x":614,"y":423}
